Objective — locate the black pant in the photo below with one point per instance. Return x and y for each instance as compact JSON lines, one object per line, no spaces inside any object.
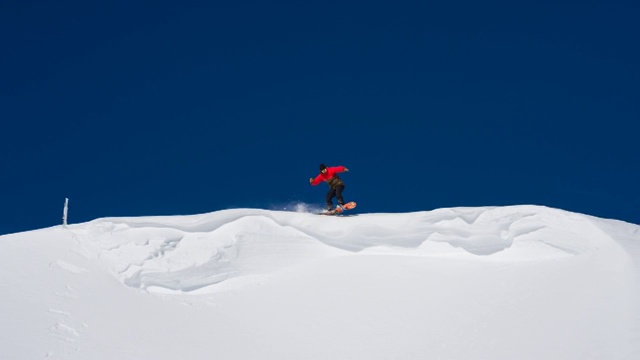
{"x":337,"y":193}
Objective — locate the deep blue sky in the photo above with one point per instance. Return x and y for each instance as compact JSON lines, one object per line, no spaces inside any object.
{"x":177,"y":107}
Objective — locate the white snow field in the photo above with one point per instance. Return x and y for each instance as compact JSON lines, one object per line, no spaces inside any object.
{"x":518,"y":282}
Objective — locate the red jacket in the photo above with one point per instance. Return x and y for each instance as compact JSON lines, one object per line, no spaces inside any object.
{"x":330,"y":177}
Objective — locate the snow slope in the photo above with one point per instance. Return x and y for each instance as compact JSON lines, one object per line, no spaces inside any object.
{"x":522,"y":282}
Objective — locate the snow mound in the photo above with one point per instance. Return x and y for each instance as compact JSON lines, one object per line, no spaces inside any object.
{"x":462,"y":283}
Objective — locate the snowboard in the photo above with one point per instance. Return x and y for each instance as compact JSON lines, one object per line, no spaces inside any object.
{"x":337,"y":211}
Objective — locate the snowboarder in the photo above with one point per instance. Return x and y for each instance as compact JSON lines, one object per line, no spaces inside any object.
{"x":336,"y":186}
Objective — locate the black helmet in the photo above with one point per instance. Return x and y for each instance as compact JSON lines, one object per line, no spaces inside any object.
{"x":322,"y":167}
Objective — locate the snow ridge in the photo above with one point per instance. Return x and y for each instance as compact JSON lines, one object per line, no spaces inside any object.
{"x":194,"y":254}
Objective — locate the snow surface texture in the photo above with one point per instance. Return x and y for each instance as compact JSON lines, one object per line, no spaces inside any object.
{"x":520,"y":282}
